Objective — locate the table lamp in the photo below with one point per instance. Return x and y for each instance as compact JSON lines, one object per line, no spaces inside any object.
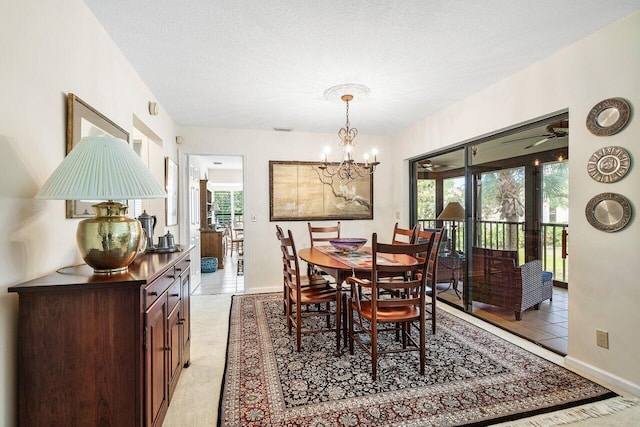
{"x":104,"y":168}
{"x":452,"y":212}
{"x":215,"y":207}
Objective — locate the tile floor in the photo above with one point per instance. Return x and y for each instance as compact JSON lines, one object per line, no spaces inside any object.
{"x":546,"y":327}
{"x":229,"y":279}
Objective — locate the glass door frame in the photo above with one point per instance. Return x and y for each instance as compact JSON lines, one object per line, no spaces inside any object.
{"x":533,"y":190}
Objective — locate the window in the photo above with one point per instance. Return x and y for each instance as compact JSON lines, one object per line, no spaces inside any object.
{"x":229,"y":212}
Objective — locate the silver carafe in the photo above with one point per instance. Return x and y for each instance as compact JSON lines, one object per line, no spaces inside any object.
{"x":148,"y":222}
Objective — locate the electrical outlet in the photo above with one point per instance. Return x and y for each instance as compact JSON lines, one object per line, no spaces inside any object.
{"x":602,"y":338}
{"x":253,"y":218}
{"x":397,"y":214}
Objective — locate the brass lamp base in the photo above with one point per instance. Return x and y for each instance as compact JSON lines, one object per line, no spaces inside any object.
{"x":110,"y":241}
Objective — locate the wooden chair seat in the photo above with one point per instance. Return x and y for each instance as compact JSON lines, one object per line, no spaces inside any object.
{"x":315,"y":294}
{"x":306,"y":281}
{"x":390,"y":314}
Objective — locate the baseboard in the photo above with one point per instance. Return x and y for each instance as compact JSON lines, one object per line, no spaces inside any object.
{"x":598,"y":373}
{"x":262,"y":290}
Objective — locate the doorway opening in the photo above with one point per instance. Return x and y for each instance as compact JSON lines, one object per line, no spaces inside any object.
{"x":216,"y":192}
{"x":513,"y":188}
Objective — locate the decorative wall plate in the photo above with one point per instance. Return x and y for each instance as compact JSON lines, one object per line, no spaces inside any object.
{"x":609,"y":164}
{"x":608,"y":117}
{"x":608,"y":212}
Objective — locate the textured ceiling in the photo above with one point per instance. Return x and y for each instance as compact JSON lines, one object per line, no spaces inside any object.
{"x":265,"y":64}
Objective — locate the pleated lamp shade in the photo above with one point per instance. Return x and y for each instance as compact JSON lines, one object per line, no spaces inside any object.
{"x":105,"y":168}
{"x":101,"y":168}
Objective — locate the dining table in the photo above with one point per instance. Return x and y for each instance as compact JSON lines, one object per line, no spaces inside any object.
{"x":341,"y":265}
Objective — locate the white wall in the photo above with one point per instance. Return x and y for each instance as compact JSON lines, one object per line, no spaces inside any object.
{"x":49,"y":49}
{"x":226,"y":177}
{"x":263,"y":268}
{"x":604,"y":291}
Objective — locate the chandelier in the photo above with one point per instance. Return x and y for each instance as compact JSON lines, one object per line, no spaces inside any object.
{"x":348,"y":169}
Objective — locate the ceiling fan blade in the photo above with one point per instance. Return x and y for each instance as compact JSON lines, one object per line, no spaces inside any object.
{"x":523,"y":139}
{"x":535,"y":144}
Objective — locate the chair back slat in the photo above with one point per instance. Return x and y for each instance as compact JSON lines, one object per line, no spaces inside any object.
{"x":323,"y":234}
{"x":405,"y":235}
{"x":406,"y":284}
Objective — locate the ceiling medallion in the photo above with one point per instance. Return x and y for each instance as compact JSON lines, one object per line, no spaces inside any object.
{"x":609,"y":164}
{"x":608,"y":212}
{"x":608,"y":117}
{"x":335,"y":93}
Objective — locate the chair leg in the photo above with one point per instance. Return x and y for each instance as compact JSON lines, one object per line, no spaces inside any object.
{"x":328,"y":309}
{"x":350,"y":326}
{"x":288,"y":308}
{"x":343,"y":315}
{"x":518,"y":315}
{"x":298,"y":328}
{"x":423,"y":353}
{"x":284,"y":299}
{"x":374,"y":351}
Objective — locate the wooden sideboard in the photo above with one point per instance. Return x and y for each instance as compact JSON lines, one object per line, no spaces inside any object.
{"x":103,"y":350}
{"x":211,"y":245}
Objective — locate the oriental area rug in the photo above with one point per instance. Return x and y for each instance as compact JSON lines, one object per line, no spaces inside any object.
{"x":472,"y":377}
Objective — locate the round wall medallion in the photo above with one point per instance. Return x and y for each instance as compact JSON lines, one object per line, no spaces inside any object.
{"x":609,"y":164}
{"x":608,"y":212}
{"x":608,"y":117}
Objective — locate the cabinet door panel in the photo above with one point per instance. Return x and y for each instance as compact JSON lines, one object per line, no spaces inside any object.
{"x":186,"y":319}
{"x":174,"y":346}
{"x":156,"y":363}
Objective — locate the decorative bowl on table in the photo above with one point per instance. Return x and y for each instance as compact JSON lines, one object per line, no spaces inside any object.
{"x":348,"y":244}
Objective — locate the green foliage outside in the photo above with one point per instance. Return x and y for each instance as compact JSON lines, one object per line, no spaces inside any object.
{"x":223,"y":214}
{"x":502,"y":209}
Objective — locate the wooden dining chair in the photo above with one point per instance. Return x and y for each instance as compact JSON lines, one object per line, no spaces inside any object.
{"x":321,"y":235}
{"x":305,"y":281}
{"x":434,"y":236}
{"x":301,"y":293}
{"x":393,"y":304}
{"x":405,"y":235}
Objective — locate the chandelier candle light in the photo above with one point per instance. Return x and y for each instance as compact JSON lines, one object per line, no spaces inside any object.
{"x":104,"y":168}
{"x":348,"y":169}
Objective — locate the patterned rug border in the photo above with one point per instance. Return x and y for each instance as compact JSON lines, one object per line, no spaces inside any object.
{"x":501,"y":419}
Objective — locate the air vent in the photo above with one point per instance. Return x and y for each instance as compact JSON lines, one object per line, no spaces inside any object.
{"x":282,"y":129}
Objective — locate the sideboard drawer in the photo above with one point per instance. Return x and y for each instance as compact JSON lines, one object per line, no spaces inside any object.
{"x":182,"y":266}
{"x":174,"y":295}
{"x":154,"y":290}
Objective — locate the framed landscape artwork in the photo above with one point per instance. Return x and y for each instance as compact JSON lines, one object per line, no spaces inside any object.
{"x":297,"y":193}
{"x":83,"y":120}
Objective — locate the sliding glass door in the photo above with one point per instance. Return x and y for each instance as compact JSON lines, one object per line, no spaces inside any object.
{"x":513,"y":191}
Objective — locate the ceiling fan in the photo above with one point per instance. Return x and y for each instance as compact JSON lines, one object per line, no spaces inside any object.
{"x":555,"y":130}
{"x":429,"y":165}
